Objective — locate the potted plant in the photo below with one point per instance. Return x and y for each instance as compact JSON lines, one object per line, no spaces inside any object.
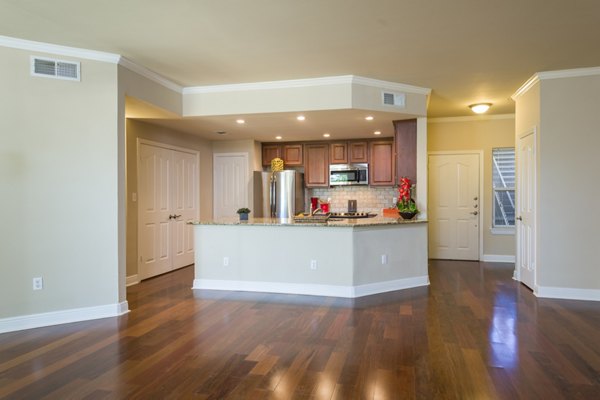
{"x":243,"y":212}
{"x":407,"y":208}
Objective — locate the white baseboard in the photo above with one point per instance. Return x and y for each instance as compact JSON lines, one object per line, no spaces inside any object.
{"x":498,"y":258}
{"x":311,"y":289}
{"x":132,"y":280}
{"x":62,"y":317}
{"x":567,"y":293}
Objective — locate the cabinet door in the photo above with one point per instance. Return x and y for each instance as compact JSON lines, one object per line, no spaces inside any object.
{"x":338,"y":153}
{"x":406,"y":148}
{"x":269,"y":152}
{"x":292,"y":154}
{"x":316,"y":165}
{"x":381,"y":170}
{"x":358,"y":152}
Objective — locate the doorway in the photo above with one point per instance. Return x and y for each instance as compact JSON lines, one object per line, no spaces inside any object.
{"x":454,"y":209}
{"x":230,"y":183}
{"x":168,"y":199}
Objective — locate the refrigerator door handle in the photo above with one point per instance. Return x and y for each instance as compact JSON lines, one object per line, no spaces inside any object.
{"x":273,"y":197}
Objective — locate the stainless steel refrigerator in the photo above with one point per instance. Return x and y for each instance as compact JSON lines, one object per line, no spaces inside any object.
{"x":278,"y":194}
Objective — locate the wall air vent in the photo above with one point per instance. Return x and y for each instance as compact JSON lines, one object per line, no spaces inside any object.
{"x":394,"y":99}
{"x":57,"y":69}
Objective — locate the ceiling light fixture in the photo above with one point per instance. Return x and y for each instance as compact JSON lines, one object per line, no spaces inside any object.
{"x":369,"y":118}
{"x":221,"y":133}
{"x":326,"y":135}
{"x":300,"y":117}
{"x":377,"y":133}
{"x":480,"y":108}
{"x":278,"y":137}
{"x":240,"y":121}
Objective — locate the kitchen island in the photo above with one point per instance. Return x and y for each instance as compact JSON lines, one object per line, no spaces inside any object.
{"x":340,"y":258}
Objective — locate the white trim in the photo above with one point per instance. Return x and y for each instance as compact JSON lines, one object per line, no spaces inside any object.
{"x":481,"y":202}
{"x":503,"y":258}
{"x":149,"y":74}
{"x":62,"y":317}
{"x":563,"y":73}
{"x":503,"y":231}
{"x":132,"y":280}
{"x":525,"y":87}
{"x":568,"y":293}
{"x":311,"y":289}
{"x":471,"y":118}
{"x":41,"y":47}
{"x":311,"y":82}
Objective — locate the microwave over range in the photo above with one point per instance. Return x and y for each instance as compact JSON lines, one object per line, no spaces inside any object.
{"x":348,"y":174}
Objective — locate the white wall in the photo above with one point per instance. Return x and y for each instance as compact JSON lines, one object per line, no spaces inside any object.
{"x":58,"y":188}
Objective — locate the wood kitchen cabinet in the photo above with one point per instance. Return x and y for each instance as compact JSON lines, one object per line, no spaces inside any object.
{"x":291,"y":153}
{"x":338,"y":153}
{"x":358,"y":152}
{"x":316,"y":165}
{"x":382,"y":166}
{"x":406,"y":148}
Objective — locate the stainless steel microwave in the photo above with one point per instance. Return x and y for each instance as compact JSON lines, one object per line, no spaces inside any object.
{"x":348,"y":174}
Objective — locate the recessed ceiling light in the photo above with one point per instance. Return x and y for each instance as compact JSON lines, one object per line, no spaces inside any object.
{"x":221,"y":133}
{"x":369,"y":118}
{"x":240,"y":121}
{"x":278,"y":137}
{"x":326,"y":135}
{"x":480,"y":108}
{"x":377,"y":133}
{"x":300,"y":117}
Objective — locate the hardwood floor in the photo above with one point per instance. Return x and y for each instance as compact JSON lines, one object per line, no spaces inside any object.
{"x":473,"y":334}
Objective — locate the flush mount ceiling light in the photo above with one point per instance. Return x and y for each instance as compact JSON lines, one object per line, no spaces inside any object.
{"x":300,"y":117}
{"x":240,"y":121}
{"x":480,"y":108}
{"x":369,"y":118}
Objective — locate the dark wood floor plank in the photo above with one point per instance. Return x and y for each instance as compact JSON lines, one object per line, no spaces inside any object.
{"x":474,"y":333}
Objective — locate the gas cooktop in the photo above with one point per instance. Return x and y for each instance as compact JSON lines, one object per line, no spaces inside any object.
{"x":352,"y":215}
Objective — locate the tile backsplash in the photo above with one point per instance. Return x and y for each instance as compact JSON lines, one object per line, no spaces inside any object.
{"x":368,"y":199}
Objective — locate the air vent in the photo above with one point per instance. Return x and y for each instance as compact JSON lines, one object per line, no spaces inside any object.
{"x":57,"y":69}
{"x":394,"y":99}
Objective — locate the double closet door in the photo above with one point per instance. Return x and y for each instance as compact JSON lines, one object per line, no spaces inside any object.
{"x":168,"y":199}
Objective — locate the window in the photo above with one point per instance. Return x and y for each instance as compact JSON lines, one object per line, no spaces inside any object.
{"x":503,"y":182}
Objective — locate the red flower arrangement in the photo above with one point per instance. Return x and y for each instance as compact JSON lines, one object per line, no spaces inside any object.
{"x":406,"y":204}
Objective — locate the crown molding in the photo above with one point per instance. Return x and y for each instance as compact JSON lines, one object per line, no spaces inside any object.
{"x":149,"y":74}
{"x":471,"y":118}
{"x":525,"y":87}
{"x":75,"y":52}
{"x":563,"y":73}
{"x":310,"y":82}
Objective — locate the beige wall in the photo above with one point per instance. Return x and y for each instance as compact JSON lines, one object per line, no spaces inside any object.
{"x":58,"y":187}
{"x":568,"y":183}
{"x":142,"y":130}
{"x":456,"y":134}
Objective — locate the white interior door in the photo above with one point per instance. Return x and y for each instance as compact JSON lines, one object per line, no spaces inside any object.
{"x":154,"y":224}
{"x":168,"y":199}
{"x":230,"y":183}
{"x":454,"y":206}
{"x":526,"y":188}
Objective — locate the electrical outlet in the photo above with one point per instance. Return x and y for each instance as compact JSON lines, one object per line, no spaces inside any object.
{"x":384,"y":259}
{"x":225,"y":261}
{"x":313,"y":264}
{"x":38,"y":283}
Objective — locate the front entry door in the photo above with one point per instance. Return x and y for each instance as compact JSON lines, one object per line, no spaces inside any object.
{"x":454,"y":216}
{"x":526,"y":187}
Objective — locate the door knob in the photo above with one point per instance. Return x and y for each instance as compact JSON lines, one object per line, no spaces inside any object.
{"x":474,"y":213}
{"x":519,"y":218}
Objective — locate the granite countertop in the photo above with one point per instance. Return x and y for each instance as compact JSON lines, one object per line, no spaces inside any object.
{"x":332,"y":222}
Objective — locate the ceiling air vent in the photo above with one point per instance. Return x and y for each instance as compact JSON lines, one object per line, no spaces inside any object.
{"x":394,"y":99}
{"x":58,"y":69}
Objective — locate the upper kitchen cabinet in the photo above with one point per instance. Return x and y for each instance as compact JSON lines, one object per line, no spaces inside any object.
{"x":406,"y":148}
{"x":316,"y":165}
{"x":290,"y":153}
{"x":269,"y":152}
{"x":358,"y":152}
{"x":338,"y":153}
{"x":382,"y":166}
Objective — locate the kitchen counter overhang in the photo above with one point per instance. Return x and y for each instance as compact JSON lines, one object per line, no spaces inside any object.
{"x":340,"y":258}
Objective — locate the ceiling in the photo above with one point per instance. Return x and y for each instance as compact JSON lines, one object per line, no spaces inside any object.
{"x":466,"y":51}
